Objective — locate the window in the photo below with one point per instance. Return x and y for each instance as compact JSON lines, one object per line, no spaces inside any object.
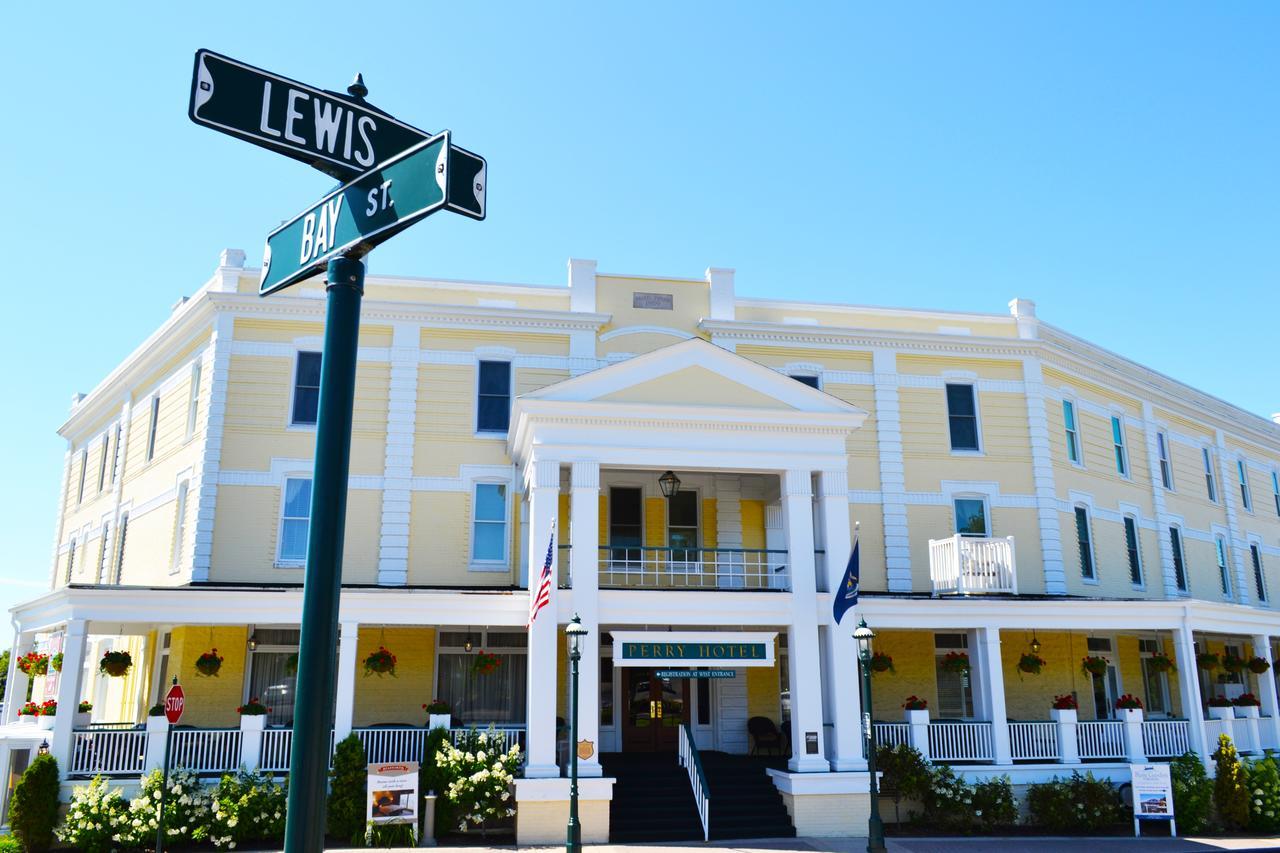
{"x":102,"y":463}
{"x":1162,"y":451}
{"x":682,"y":525}
{"x":810,"y":379}
{"x":162,"y":681}
{"x":962,"y":417}
{"x":1275,"y":490}
{"x":103,"y":553}
{"x":1107,"y":687}
{"x":475,"y":699}
{"x":151,"y":429}
{"x":1073,"y":438}
{"x":606,"y":690}
{"x":489,"y":524}
{"x":306,"y":389}
{"x":269,"y":678}
{"x":71,"y":559}
{"x":625,"y":530}
{"x":1085,"y":547}
{"x":1131,"y":547}
{"x":1179,"y":567}
{"x":1259,"y":580}
{"x":493,"y":398}
{"x":955,"y":691}
{"x":84,"y":464}
{"x":1210,"y":485}
{"x":193,"y":405}
{"x":115,"y":457}
{"x":971,"y":516}
{"x":1220,"y":548}
{"x":295,"y":520}
{"x":1245,"y":497}
{"x":1122,"y":453}
{"x":124,"y":532}
{"x":1155,"y":683}
{"x":180,"y":526}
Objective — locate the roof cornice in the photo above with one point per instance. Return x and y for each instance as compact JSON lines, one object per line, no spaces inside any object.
{"x":924,"y":342}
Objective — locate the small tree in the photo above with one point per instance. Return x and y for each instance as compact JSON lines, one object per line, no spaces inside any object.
{"x":347,"y":816}
{"x":1192,"y":792}
{"x":432,"y":777}
{"x":33,"y":809}
{"x":905,"y":774}
{"x":1230,"y":791}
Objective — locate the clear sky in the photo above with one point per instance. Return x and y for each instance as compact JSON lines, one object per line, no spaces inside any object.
{"x":1117,"y":163}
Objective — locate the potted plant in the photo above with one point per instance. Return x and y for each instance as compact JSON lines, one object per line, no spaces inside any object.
{"x":1031,"y":663}
{"x":1247,"y":705}
{"x":115,"y":664}
{"x":33,"y":663}
{"x":1233,"y":663}
{"x":209,"y":663}
{"x":1208,"y":661}
{"x":156,"y":720}
{"x":1065,"y":708}
{"x":55,"y":662}
{"x":485,"y":663}
{"x":1258,"y":665}
{"x":1130,"y":707}
{"x":46,"y":712}
{"x":881,"y":662}
{"x":29,"y":713}
{"x":380,"y":663}
{"x":957,"y":662}
{"x":253,"y":715}
{"x":1093,"y":666}
{"x":916,"y":710}
{"x":1220,"y":708}
{"x":438,"y":716}
{"x":1161,"y":662}
{"x":83,"y":715}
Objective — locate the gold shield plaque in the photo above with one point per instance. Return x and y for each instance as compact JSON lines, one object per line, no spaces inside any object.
{"x":586,"y":749}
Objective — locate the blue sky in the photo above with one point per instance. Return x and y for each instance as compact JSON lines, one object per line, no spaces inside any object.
{"x":1117,"y":163}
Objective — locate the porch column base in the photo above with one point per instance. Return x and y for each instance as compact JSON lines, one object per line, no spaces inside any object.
{"x":808,"y":764}
{"x":542,"y":771}
{"x":826,"y":805}
{"x":848,"y":765}
{"x":542,"y":810}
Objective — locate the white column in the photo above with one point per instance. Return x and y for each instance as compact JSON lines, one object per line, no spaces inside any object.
{"x":15,"y":693}
{"x":1157,"y":502}
{"x":993,"y":692}
{"x":802,"y":633}
{"x":1267,"y":687}
{"x":1189,"y":689}
{"x":584,"y":562}
{"x":841,"y":681}
{"x":1068,"y":737}
{"x":893,"y":489}
{"x":397,"y":472}
{"x":344,"y":711}
{"x":543,"y":487}
{"x":1055,"y":582}
{"x":73,"y":648}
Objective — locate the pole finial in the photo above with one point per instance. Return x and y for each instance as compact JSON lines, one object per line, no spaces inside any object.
{"x":358,"y":89}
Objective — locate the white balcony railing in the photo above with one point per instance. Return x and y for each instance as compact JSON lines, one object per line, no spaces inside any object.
{"x":108,"y":752}
{"x":1100,"y":739}
{"x":960,"y":741}
{"x":693,"y":568}
{"x":971,"y":565}
{"x":1034,"y":741}
{"x":1165,"y":738}
{"x":205,"y":750}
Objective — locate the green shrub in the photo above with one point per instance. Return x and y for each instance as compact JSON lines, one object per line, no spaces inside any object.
{"x":948,"y":802}
{"x":9,"y":844}
{"x":432,"y":777}
{"x":346,"y":813}
{"x":95,"y":819}
{"x":1192,"y":793}
{"x":187,"y":812}
{"x":905,"y":772}
{"x":33,"y":808}
{"x":994,"y":804}
{"x":1075,"y":805}
{"x":247,"y":807}
{"x":1230,"y":791}
{"x":1264,"y":795}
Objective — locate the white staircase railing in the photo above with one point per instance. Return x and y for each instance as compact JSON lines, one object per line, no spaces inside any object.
{"x":692,"y":761}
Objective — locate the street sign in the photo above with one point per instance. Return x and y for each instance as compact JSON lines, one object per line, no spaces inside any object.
{"x":174,"y":702}
{"x":358,"y":216}
{"x":335,"y":133}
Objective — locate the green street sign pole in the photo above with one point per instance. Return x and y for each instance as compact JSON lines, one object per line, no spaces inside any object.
{"x":316,"y":688}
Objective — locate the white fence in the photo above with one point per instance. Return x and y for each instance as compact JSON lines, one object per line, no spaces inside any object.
{"x":1100,"y":739}
{"x":1165,"y":738}
{"x":960,"y":741}
{"x":693,"y":568}
{"x":969,"y":565}
{"x":380,"y":744}
{"x":205,"y":750}
{"x":1034,"y":741}
{"x":892,"y":734}
{"x":108,"y":752}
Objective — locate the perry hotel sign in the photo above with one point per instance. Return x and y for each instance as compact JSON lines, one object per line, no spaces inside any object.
{"x":713,"y":648}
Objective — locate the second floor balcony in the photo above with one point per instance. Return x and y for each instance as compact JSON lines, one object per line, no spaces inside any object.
{"x":693,"y":568}
{"x":972,"y":565}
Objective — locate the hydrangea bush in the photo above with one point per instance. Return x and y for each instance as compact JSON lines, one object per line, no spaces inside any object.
{"x":480,"y":775}
{"x":97,"y":819}
{"x":1079,"y":803}
{"x":186,"y":809}
{"x":247,"y":807}
{"x":1264,"y":795}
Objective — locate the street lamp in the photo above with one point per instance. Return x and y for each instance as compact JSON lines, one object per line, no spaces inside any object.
{"x":575,"y":632}
{"x":670,"y":484}
{"x":875,"y":827}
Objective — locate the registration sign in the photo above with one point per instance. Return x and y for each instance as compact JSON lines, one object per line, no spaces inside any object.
{"x":696,"y":673}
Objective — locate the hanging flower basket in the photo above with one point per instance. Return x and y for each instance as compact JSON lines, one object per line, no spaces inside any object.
{"x":208,"y":664}
{"x":485,"y":663}
{"x":380,"y":663}
{"x":1258,"y":665}
{"x":291,"y":664}
{"x":1161,"y":662}
{"x":55,"y":662}
{"x":881,"y":662}
{"x":253,"y":708}
{"x":1093,"y":666}
{"x":957,"y":662}
{"x":1129,"y":702}
{"x":1031,"y":663}
{"x":1208,"y":660}
{"x":1065,"y":702}
{"x":115,"y":664}
{"x":914,"y":703}
{"x":1232,"y":663}
{"x":33,"y":664}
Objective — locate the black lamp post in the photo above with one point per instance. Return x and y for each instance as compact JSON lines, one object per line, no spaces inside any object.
{"x":875,"y":827}
{"x":575,"y":633}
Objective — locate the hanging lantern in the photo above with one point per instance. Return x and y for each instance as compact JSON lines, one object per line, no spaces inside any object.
{"x":670,"y":484}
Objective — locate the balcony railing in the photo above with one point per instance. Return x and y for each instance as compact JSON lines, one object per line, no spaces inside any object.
{"x":971,"y":565}
{"x":693,"y":568}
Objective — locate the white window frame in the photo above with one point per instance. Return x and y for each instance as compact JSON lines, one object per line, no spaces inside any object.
{"x":282,"y":562}
{"x":1223,"y":558}
{"x":1164,"y":459}
{"x":1093,"y":550}
{"x":1275,"y":488}
{"x":685,"y":567}
{"x":1179,"y":555}
{"x":1242,"y":473}
{"x":179,"y":525}
{"x":193,"y":402}
{"x":1210,"y":481}
{"x":1122,"y":448}
{"x":1141,"y":582}
{"x":986,"y":512}
{"x":977,"y":416}
{"x":504,"y":564}
{"x":1072,"y":432}
{"x":500,"y":357}
{"x":153,"y":428}
{"x":1259,"y":570}
{"x":293,"y":391}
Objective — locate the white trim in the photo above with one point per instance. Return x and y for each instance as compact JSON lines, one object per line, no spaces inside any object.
{"x":645,"y":330}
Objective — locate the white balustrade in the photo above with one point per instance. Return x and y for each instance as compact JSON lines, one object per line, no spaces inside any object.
{"x":109,"y":752}
{"x":511,"y":735}
{"x":1034,"y":741}
{"x":960,"y":741}
{"x":274,"y":757}
{"x":972,"y":565}
{"x":387,"y":745}
{"x":1165,"y":738}
{"x":205,"y":750}
{"x":1101,"y":739}
{"x":694,"y":568}
{"x":889,"y":735}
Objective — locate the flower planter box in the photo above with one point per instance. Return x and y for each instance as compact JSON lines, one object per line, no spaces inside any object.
{"x":1246,"y":712}
{"x":916,"y":718}
{"x":45,"y":721}
{"x":158,"y":724}
{"x":253,"y":722}
{"x":1221,"y":713}
{"x":439,"y":721}
{"x":1064,"y":715}
{"x":1130,"y":715}
{"x":82,"y":720}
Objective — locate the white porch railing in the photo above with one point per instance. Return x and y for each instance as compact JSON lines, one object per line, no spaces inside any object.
{"x":1165,"y":738}
{"x":692,"y":762}
{"x":1100,"y":739}
{"x":1034,"y":741}
{"x":108,"y":752}
{"x":273,"y":757}
{"x":960,"y":741}
{"x":693,"y":568}
{"x":889,"y":735}
{"x":205,"y":750}
{"x":512,"y":735}
{"x":972,"y":565}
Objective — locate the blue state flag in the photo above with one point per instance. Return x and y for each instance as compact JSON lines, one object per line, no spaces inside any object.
{"x":847,"y":595}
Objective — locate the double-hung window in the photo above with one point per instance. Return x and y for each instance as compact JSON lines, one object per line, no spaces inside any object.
{"x":971,"y":516}
{"x":179,"y":526}
{"x":152,"y":427}
{"x":1072,"y":433}
{"x":102,"y":462}
{"x":1259,"y":580}
{"x":84,"y":464}
{"x":489,"y":525}
{"x":1132,"y":550}
{"x":306,"y":389}
{"x":1246,"y":498}
{"x":1162,"y":452}
{"x":1117,"y":439}
{"x":120,"y":542}
{"x":103,"y":553}
{"x":193,"y":402}
{"x":295,"y":520}
{"x":962,"y":418}
{"x":493,"y":396}
{"x":1085,"y":544}
{"x":115,"y":457}
{"x":1210,"y":484}
{"x":1179,"y":566}
{"x":71,"y":559}
{"x":1275,"y":490}
{"x":1220,"y":548}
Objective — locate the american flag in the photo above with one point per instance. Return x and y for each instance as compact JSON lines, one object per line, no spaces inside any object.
{"x":542,"y":597}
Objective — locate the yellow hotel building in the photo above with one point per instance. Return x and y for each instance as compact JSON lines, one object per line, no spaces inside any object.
{"x":1016,"y":492}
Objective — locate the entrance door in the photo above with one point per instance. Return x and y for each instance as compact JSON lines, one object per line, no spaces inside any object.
{"x":654,"y":709}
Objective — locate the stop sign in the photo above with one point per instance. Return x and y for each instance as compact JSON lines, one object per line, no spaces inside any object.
{"x":174,"y":701}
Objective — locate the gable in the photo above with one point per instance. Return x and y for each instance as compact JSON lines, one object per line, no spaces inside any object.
{"x":695,"y":386}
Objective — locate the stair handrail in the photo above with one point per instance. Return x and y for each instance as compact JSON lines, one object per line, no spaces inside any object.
{"x":692,"y":761}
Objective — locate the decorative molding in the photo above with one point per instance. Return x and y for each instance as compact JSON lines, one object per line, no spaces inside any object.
{"x":646,"y":330}
{"x":797,"y":483}
{"x":204,"y":485}
{"x":585,"y":475}
{"x":834,"y":483}
{"x":402,"y":407}
{"x":545,"y":474}
{"x":893,"y":490}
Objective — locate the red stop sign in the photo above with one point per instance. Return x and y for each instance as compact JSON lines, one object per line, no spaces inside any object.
{"x":174,"y":701}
